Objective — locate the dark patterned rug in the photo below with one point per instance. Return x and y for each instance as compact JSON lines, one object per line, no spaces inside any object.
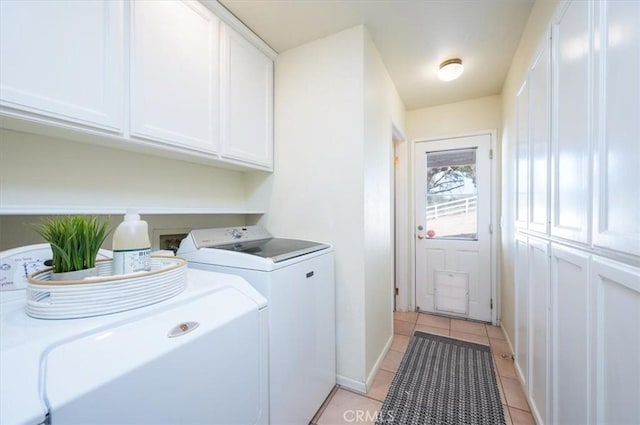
{"x":443,"y":381}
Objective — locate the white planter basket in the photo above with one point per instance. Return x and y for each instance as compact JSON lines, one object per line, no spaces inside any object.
{"x":104,"y":294}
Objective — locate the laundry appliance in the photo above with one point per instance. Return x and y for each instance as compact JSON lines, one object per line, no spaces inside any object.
{"x":199,"y":357}
{"x":297,"y":278}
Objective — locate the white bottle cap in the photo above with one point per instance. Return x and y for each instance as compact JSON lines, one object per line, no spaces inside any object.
{"x":131,"y":215}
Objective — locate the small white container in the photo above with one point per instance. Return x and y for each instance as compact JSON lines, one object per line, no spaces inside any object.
{"x":131,"y":245}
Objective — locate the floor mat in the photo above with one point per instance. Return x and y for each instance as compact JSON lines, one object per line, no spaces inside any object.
{"x":443,"y":381}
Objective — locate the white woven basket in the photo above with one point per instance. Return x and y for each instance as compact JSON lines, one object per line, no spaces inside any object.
{"x":104,"y":294}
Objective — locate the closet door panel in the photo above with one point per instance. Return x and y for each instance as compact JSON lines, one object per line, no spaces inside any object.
{"x":571,"y":356}
{"x":617,"y":159}
{"x":617,"y":339}
{"x":539,"y":80}
{"x":522,"y":310}
{"x":572,"y":123}
{"x":522,"y":156}
{"x":539,"y":328}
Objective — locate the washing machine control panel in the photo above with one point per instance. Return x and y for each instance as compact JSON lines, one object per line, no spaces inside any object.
{"x":208,"y":238}
{"x":17,"y":264}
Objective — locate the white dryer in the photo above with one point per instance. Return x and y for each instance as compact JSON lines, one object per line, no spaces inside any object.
{"x":297,"y":278}
{"x":197,"y":358}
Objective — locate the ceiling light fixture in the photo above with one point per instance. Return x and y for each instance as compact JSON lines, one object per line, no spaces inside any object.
{"x":450,"y":69}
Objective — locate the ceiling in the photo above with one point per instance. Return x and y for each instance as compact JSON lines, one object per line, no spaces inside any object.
{"x":412,"y":36}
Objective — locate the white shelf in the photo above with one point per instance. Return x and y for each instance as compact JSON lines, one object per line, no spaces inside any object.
{"x":59,"y":210}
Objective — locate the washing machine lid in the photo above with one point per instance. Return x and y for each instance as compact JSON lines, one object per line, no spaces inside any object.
{"x":274,"y":249}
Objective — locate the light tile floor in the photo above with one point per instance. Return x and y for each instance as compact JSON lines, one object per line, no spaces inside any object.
{"x":344,"y":406}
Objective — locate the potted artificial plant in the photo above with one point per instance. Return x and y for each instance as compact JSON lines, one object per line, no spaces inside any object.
{"x":75,"y":242}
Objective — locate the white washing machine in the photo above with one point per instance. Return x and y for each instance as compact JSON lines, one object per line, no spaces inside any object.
{"x":130,"y":367}
{"x":297,"y":278}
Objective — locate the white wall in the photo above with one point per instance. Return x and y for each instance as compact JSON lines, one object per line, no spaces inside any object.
{"x":539,"y":19}
{"x":314,"y":190}
{"x":327,"y":147}
{"x":378,"y":203}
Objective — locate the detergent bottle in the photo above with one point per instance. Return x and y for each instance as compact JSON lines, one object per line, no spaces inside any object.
{"x":131,"y":245}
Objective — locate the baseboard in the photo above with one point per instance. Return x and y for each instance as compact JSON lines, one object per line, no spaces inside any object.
{"x":362,"y":387}
{"x":378,"y":363}
{"x":521,"y":378}
{"x":506,"y":337}
{"x":352,"y":384}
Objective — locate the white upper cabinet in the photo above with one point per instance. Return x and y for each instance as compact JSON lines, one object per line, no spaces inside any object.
{"x":63,"y":60}
{"x":247,"y":101}
{"x":163,"y":77}
{"x":617,"y":158}
{"x":522,"y":156}
{"x":572,"y":125}
{"x":539,"y":115}
{"x":174,"y":73}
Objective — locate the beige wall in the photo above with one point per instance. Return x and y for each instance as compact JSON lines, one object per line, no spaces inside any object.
{"x":533,"y":35}
{"x":454,"y":118}
{"x":16,"y":231}
{"x":44,"y":173}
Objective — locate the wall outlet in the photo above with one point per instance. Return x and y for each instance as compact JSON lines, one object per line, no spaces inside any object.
{"x":168,"y":239}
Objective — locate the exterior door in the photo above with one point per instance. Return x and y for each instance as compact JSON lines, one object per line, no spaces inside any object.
{"x":453,"y":227}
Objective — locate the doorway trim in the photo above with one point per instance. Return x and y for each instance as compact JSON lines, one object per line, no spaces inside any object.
{"x":402,"y":222}
{"x":494,"y":221}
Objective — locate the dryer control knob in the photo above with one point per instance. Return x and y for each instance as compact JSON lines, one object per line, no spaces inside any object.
{"x":236,"y":234}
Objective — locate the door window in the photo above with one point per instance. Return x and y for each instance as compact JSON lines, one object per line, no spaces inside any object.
{"x":451,"y":195}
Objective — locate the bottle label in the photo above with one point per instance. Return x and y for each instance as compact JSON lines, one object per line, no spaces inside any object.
{"x":131,"y":261}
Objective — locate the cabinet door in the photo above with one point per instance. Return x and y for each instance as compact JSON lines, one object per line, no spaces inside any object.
{"x":63,"y":60}
{"x":571,"y":354}
{"x":174,"y":73}
{"x":522,"y":310}
{"x":522,"y":156}
{"x":572,"y":125}
{"x":539,"y":328}
{"x":247,"y":105}
{"x":617,"y":339}
{"x":539,"y":86}
{"x":617,"y":192}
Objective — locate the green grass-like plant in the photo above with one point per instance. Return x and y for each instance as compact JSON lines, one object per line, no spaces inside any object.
{"x":74,"y":241}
